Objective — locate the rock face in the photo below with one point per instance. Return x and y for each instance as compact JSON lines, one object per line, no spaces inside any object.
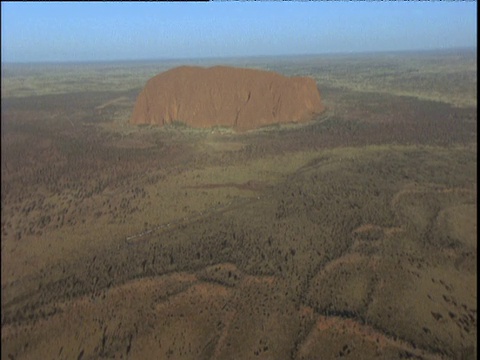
{"x":225,"y":96}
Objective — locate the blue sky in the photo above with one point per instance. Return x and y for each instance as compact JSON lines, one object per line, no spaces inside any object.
{"x":81,"y":31}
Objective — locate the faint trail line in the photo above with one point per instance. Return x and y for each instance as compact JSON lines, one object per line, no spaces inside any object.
{"x":112,"y":102}
{"x":174,"y":225}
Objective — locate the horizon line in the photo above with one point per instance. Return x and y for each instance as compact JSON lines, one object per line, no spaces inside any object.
{"x":230,"y":57}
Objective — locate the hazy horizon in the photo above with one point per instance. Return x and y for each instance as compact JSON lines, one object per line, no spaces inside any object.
{"x":245,"y":57}
{"x":121,"y":32}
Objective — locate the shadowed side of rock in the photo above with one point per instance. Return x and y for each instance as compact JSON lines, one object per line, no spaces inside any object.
{"x":243,"y":99}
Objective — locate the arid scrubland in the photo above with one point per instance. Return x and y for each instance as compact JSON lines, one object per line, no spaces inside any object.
{"x":354,"y":235}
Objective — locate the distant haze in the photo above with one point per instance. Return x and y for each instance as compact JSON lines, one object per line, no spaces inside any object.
{"x":99,"y":31}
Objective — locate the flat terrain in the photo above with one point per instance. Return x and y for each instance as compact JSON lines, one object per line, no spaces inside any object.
{"x":351,"y":236}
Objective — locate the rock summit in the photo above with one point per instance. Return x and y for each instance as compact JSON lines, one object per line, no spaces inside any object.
{"x":243,"y":99}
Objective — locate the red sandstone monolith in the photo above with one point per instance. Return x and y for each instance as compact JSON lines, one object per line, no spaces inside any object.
{"x":243,"y":99}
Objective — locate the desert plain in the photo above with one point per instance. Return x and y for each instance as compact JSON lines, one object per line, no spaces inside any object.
{"x":350,"y":236}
